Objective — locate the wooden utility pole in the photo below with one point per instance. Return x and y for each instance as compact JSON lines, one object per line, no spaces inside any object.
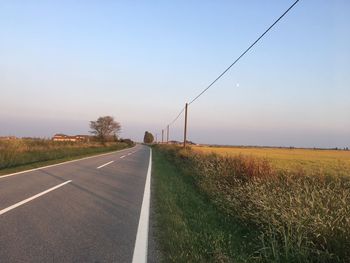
{"x":185,"y":128}
{"x":167,"y":134}
{"x":162,"y":136}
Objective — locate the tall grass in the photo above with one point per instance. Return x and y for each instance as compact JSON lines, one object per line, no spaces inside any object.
{"x":188,"y":227}
{"x":19,"y":152}
{"x":300,"y":217}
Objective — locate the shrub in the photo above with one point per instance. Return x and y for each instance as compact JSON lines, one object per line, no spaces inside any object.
{"x":129,"y":142}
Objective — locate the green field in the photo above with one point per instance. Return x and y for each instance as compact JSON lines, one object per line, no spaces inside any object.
{"x":327,"y":162}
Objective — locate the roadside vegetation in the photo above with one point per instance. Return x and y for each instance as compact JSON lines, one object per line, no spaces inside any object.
{"x":21,"y":154}
{"x":189,"y":227}
{"x":247,"y":210}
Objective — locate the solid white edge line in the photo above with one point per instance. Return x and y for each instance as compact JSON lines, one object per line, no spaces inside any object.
{"x":3,"y":211}
{"x":57,"y":164}
{"x":103,"y":165}
{"x":141,"y":243}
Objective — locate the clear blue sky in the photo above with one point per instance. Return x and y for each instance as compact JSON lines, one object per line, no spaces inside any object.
{"x":63,"y":63}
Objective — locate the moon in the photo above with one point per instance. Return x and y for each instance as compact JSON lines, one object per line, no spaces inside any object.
{"x":237,"y":85}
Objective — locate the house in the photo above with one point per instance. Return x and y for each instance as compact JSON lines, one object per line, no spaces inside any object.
{"x":59,"y":137}
{"x":7,"y":138}
{"x":63,"y":138}
{"x":83,"y":138}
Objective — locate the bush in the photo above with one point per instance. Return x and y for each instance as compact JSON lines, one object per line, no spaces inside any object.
{"x":127,"y":141}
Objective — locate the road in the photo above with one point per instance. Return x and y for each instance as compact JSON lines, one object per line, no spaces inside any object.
{"x":82,"y":211}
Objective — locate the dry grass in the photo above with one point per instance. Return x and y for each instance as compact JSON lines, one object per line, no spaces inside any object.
{"x":19,"y":152}
{"x":326,"y":162}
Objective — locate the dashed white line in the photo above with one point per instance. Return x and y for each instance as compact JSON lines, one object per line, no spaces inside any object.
{"x":3,"y":211}
{"x":123,"y":156}
{"x":129,"y":153}
{"x":141,"y":244}
{"x":103,"y":165}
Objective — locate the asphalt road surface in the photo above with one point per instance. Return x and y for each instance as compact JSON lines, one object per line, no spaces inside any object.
{"x":82,"y":211}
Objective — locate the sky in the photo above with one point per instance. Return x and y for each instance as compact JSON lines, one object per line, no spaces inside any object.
{"x":65,"y":63}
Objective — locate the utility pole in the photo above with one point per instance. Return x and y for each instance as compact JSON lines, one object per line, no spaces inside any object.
{"x":162,"y":136}
{"x":156,"y":138}
{"x":185,"y":128}
{"x":167,"y":134}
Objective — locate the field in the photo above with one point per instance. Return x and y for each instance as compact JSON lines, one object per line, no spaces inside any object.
{"x":293,"y":205}
{"x":21,"y":154}
{"x":310,"y":161}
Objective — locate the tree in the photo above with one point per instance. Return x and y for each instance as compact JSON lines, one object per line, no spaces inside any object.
{"x":148,"y":138}
{"x":104,"y":128}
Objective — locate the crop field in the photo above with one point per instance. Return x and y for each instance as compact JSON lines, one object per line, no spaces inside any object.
{"x":310,"y":161}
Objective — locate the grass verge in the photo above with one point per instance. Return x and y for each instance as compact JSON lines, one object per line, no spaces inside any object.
{"x":189,"y":227}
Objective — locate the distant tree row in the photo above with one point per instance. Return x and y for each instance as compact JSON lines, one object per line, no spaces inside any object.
{"x":107,"y":129}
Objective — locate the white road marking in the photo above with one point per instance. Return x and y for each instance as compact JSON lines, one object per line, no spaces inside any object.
{"x":103,"y":165}
{"x":3,"y":211}
{"x":57,"y":164}
{"x":129,"y":153}
{"x":123,"y":156}
{"x":141,"y":244}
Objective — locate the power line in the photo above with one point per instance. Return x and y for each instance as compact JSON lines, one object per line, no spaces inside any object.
{"x":256,"y":41}
{"x":177,"y":116}
{"x":228,"y":68}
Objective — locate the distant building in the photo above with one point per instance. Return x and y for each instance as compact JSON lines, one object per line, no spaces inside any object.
{"x":59,"y":137}
{"x":83,"y":138}
{"x":180,"y":143}
{"x":7,"y":138}
{"x":63,"y":138}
